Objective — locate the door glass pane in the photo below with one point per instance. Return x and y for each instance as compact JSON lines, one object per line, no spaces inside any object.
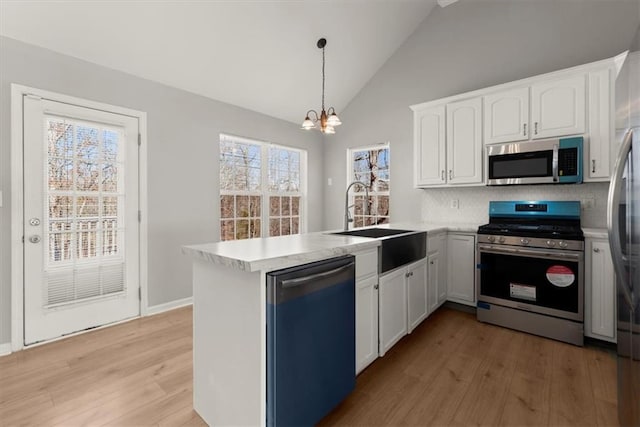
{"x":84,"y":209}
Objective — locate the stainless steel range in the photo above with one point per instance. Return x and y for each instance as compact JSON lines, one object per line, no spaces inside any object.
{"x":530,"y":270}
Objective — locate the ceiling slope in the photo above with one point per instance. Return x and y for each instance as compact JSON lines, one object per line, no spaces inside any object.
{"x":260,"y":55}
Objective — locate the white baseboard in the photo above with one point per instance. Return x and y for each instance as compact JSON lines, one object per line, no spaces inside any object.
{"x":5,"y":348}
{"x":169,"y":306}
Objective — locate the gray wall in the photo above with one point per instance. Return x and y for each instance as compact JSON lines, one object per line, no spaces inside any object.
{"x":466,"y":46}
{"x":182,"y":159}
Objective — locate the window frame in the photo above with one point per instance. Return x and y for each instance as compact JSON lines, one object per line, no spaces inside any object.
{"x":265,"y":193}
{"x":351,"y":177}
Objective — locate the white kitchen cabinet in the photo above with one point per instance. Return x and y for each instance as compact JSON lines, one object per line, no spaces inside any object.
{"x":417,"y":294}
{"x":429,"y":147}
{"x":461,"y":268}
{"x":558,"y":107}
{"x":600,"y":291}
{"x":393,"y":309}
{"x":366,"y":322}
{"x":437,"y":270}
{"x":506,"y":116}
{"x":464,"y":142}
{"x":597,"y":156}
{"x":366,"y":308}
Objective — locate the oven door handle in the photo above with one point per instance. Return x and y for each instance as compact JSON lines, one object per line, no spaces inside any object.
{"x":576,"y":256}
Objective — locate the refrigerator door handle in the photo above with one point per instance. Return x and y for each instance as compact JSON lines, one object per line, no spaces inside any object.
{"x":613,"y":222}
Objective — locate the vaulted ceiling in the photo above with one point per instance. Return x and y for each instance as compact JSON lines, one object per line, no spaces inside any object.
{"x":258,"y":54}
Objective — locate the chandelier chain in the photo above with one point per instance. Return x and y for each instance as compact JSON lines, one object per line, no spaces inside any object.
{"x":323,"y":79}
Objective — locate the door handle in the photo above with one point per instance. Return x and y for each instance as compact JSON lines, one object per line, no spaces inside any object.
{"x":524,"y":129}
{"x":613,"y":222}
{"x":442,"y":175}
{"x":535,"y":128}
{"x":450,"y":174}
{"x":34,"y":239}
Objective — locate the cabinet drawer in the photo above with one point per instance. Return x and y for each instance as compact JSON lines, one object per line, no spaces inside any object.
{"x":366,"y":263}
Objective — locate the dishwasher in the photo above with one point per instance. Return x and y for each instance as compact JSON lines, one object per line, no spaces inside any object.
{"x":310,"y":340}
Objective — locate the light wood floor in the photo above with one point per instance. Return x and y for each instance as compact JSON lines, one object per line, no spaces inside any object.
{"x":451,"y":371}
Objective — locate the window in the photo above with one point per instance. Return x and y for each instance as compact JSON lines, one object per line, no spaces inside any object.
{"x":369,"y":165}
{"x":261,"y":189}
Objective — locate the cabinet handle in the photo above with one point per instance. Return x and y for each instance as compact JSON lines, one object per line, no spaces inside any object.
{"x":375,"y":286}
{"x":524,"y":129}
{"x":431,"y":262}
{"x":593,"y":166}
{"x":596,"y":250}
{"x":442,"y":175}
{"x":535,"y":128}
{"x":450,"y":174}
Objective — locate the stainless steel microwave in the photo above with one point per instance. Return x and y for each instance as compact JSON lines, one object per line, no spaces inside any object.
{"x":550,"y":161}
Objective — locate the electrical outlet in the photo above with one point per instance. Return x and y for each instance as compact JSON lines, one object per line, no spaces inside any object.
{"x":455,"y":204}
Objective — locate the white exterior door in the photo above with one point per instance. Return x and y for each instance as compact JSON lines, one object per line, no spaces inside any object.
{"x":81,"y":230}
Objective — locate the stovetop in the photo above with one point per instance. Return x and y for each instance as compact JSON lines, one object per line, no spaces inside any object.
{"x":541,"y":219}
{"x":547,"y":231}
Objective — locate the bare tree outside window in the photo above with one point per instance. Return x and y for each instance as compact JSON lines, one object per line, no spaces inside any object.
{"x":260,"y":189}
{"x":370,"y":165}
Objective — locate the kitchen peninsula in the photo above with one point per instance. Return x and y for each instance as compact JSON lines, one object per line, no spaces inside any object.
{"x":229,"y":294}
{"x":229,"y":317}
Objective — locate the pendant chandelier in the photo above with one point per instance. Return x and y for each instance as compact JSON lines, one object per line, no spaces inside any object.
{"x":326,"y":121}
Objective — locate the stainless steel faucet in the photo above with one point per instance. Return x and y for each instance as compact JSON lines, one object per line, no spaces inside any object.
{"x":347,"y":218}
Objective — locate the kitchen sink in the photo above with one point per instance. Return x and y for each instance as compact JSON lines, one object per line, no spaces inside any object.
{"x":398,"y":247}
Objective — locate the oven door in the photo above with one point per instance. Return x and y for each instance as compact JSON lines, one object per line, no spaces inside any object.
{"x":538,"y":280}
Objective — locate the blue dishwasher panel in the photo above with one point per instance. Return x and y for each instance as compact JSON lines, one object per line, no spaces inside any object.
{"x":310,"y":341}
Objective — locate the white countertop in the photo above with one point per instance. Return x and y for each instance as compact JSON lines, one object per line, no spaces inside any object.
{"x":269,"y":253}
{"x":272,"y":253}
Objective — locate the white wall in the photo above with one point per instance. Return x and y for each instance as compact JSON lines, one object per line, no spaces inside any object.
{"x":183,"y":131}
{"x":466,"y":46}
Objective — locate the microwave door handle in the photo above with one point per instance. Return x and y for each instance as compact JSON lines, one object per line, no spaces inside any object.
{"x":613,"y":220}
{"x":554,"y":163}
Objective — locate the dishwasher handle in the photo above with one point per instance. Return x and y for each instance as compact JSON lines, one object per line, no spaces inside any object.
{"x":301,"y":281}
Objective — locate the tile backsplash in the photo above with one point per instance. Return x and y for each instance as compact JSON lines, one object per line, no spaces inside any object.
{"x":473,"y":202}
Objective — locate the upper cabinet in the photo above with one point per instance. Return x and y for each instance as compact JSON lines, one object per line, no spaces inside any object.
{"x":464,"y":142}
{"x":506,"y":116}
{"x":450,"y":133}
{"x":558,"y":107}
{"x":429,"y":147}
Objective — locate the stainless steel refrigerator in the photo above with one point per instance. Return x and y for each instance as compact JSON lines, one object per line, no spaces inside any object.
{"x":623,"y":221}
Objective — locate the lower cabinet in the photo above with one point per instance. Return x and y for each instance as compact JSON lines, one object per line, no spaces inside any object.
{"x":417,"y":294}
{"x":403,"y":303}
{"x":393,"y":308}
{"x":366,"y":322}
{"x":437,"y":270}
{"x":600,"y":291}
{"x":461,"y":268}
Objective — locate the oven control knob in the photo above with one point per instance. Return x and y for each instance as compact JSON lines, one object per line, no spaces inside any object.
{"x":551,"y":243}
{"x":491,"y":238}
{"x":563,"y":244}
{"x":501,"y":239}
{"x":525,"y":242}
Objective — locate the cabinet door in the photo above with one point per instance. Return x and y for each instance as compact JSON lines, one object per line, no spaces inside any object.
{"x":433,"y":261}
{"x":366,"y":322}
{"x":506,"y":116}
{"x":601,"y":292}
{"x":429,"y":147}
{"x":393,"y":309}
{"x":558,"y":107}
{"x":598,"y":156}
{"x":461,"y":268}
{"x":464,"y":142}
{"x":442,"y":268}
{"x":417,"y":294}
